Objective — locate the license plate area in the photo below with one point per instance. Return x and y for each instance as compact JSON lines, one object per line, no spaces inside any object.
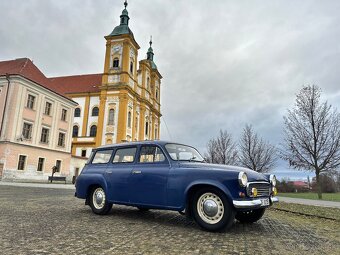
{"x":264,"y":201}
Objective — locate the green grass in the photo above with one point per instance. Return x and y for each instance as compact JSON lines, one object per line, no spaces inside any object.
{"x":312,"y":195}
{"x":331,"y":213}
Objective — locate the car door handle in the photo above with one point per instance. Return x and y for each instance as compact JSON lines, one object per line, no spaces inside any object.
{"x":109,"y":172}
{"x":136,"y":172}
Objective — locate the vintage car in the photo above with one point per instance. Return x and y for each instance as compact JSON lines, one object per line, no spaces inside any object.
{"x":172,"y":176}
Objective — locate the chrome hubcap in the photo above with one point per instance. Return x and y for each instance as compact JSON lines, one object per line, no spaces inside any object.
{"x":210,"y":208}
{"x":98,"y":198}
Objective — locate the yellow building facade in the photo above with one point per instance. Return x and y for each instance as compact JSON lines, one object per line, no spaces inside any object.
{"x":121,"y":104}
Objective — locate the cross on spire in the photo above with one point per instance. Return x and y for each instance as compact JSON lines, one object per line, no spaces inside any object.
{"x":125,"y":3}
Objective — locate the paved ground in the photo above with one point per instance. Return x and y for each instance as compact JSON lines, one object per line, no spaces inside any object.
{"x":39,"y":185}
{"x":52,"y":221}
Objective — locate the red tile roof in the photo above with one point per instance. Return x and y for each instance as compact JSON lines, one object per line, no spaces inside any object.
{"x":61,"y":85}
{"x":77,"y":83}
{"x":23,"y":67}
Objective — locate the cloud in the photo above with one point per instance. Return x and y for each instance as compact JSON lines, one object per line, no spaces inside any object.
{"x":225,"y":63}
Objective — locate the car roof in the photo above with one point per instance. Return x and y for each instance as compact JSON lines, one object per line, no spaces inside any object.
{"x":126,"y":144}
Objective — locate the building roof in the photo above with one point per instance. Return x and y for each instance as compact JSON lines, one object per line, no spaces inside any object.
{"x":77,"y":83}
{"x":60,"y":85}
{"x":25,"y":68}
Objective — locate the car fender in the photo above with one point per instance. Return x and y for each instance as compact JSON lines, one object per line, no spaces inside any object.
{"x":93,"y":180}
{"x":213,"y":183}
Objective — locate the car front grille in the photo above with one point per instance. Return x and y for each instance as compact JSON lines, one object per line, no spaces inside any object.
{"x":263,"y":189}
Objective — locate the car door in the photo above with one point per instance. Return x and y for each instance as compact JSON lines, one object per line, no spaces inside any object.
{"x":118,"y":173}
{"x":149,"y":177}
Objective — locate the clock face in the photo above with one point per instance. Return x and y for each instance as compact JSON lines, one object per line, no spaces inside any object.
{"x":116,"y":48}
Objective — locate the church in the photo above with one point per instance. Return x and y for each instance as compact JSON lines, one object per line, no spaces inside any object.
{"x":70,"y":115}
{"x":122,"y":103}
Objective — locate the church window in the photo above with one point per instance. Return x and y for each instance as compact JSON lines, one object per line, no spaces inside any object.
{"x":95,"y":111}
{"x":93,"y":131}
{"x":111,"y":120}
{"x":148,"y":83}
{"x":146,"y":128}
{"x":129,"y":120}
{"x":131,"y":67}
{"x":77,"y":112}
{"x":83,"y":153}
{"x":75,"y":131}
{"x":115,"y":63}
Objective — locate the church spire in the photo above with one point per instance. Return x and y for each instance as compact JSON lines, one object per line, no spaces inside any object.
{"x":123,"y":27}
{"x":150,"y":55}
{"x":150,"y":50}
{"x":124,"y":18}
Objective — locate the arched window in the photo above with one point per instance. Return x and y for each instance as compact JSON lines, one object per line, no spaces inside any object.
{"x":131,"y":67}
{"x":129,"y":120}
{"x":77,"y":112}
{"x":115,"y":63}
{"x":148,"y":83}
{"x":75,"y":131}
{"x":95,"y":111}
{"x":146,"y":128}
{"x":93,"y":131}
{"x":111,"y":120}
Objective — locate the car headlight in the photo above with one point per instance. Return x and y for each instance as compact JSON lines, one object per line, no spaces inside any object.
{"x":272,"y":179}
{"x":242,"y":179}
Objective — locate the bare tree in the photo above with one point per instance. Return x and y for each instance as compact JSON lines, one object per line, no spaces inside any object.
{"x":255,"y":153}
{"x":211,"y":155}
{"x":222,"y":149}
{"x":312,"y":135}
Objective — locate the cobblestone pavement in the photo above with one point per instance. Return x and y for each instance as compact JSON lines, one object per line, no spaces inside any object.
{"x":53,"y":221}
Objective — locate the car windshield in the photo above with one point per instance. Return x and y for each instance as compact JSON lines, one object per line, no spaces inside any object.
{"x":183,"y":153}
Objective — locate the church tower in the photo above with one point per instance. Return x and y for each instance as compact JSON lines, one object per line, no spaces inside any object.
{"x":129,"y":100}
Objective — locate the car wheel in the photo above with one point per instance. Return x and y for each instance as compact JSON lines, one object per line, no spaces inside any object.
{"x":211,"y":210}
{"x":143,"y":209}
{"x":98,"y":201}
{"x":250,"y":216}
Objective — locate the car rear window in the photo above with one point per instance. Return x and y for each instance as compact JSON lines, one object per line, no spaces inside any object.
{"x":102,"y":157}
{"x":124,"y":155}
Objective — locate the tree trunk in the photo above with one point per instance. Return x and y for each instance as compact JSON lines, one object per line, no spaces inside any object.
{"x":318,"y":185}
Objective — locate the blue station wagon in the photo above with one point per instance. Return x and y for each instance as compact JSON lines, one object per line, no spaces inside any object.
{"x":171,"y":176}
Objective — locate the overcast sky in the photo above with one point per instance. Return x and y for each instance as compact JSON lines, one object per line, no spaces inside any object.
{"x":224,"y":63}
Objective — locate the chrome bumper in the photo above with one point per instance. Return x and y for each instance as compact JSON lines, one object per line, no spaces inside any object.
{"x":252,"y":203}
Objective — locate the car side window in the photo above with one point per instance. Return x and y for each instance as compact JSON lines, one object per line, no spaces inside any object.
{"x":102,"y":157}
{"x":151,"y":154}
{"x":125,"y":155}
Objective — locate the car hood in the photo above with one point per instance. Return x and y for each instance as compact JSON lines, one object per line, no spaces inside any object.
{"x":252,"y":175}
